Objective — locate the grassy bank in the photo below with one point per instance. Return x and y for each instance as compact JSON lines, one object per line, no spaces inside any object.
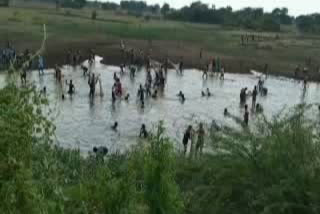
{"x":74,"y":29}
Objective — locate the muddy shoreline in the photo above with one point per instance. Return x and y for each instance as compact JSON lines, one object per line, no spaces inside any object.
{"x":55,"y":53}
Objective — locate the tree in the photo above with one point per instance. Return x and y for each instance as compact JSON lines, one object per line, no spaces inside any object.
{"x":78,"y":4}
{"x":110,"y":6}
{"x":155,"y":8}
{"x":165,"y":9}
{"x":4,"y":3}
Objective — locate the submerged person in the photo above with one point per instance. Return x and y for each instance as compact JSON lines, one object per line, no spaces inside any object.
{"x":155,"y":94}
{"x":114,"y":127}
{"x":100,"y":152}
{"x":259,"y":108}
{"x":126,"y":98}
{"x":246,"y":115}
{"x":44,"y":90}
{"x":143,"y":131}
{"x":186,"y":137}
{"x":132,"y":72}
{"x":71,"y":87}
{"x":200,"y":141}
{"x":181,"y":96}
{"x":225,"y":112}
{"x":84,"y":69}
{"x":24,"y":76}
{"x":208,"y":92}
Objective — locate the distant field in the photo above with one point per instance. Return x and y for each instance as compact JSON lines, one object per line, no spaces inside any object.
{"x":23,"y":26}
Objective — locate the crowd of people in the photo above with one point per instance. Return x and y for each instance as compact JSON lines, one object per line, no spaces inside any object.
{"x":154,"y":84}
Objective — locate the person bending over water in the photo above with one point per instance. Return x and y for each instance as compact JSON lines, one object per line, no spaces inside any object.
{"x":71,"y":90}
{"x":243,"y":95}
{"x":203,"y":94}
{"x":84,"y":69}
{"x":186,"y":137}
{"x":181,"y":96}
{"x":143,"y":131}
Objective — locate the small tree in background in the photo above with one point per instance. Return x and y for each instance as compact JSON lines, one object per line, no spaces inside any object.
{"x":94,"y":15}
{"x":165,"y":9}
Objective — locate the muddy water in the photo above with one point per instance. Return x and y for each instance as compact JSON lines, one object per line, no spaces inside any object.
{"x":82,"y":123}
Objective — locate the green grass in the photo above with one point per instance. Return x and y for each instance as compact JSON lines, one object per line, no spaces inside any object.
{"x":24,"y":24}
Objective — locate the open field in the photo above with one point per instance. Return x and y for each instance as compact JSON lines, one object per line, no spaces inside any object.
{"x":74,"y":29}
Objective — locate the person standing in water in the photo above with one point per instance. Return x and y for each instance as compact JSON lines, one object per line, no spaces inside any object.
{"x":222,"y":73}
{"x":141,"y":94}
{"x":143,"y":132}
{"x":92,"y":81}
{"x":186,"y":137}
{"x":71,"y":87}
{"x":254,"y":96}
{"x":41,"y":65}
{"x":200,"y":141}
{"x":246,"y":115}
{"x":181,"y":96}
{"x":181,"y":67}
{"x":24,"y":76}
{"x":205,"y":74}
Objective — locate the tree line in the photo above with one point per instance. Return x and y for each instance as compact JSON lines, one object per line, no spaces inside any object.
{"x":198,"y":12}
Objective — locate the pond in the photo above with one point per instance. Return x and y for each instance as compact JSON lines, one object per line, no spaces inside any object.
{"x":84,"y":123}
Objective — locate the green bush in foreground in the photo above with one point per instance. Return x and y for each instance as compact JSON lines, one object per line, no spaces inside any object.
{"x":273,"y":169}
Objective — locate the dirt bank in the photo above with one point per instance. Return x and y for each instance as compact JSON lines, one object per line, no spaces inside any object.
{"x":109,"y":49}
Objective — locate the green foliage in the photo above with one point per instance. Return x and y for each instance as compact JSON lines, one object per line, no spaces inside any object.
{"x":161,"y":191}
{"x":109,"y":6}
{"x":94,"y":15}
{"x":165,"y":9}
{"x":273,"y":169}
{"x":77,"y":4}
{"x":309,"y":23}
{"x":4,"y":3}
{"x":23,"y":127}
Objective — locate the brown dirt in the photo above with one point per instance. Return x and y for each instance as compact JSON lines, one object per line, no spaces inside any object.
{"x":110,"y":51}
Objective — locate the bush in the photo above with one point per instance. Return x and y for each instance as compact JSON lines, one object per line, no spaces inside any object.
{"x":94,"y":15}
